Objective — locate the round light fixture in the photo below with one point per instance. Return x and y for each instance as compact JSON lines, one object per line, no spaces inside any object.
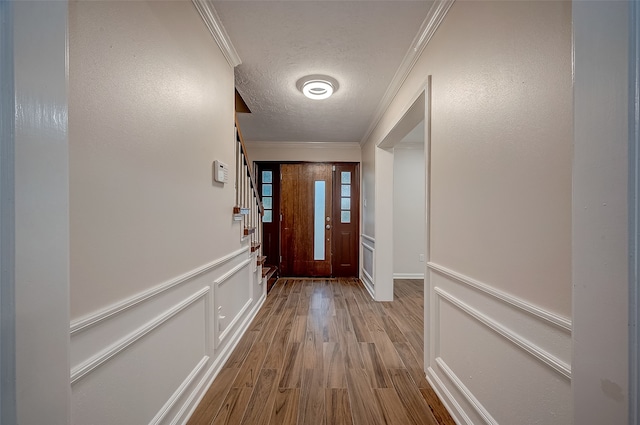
{"x":317,"y":87}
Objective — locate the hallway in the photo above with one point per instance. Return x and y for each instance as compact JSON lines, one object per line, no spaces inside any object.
{"x":320,"y":351}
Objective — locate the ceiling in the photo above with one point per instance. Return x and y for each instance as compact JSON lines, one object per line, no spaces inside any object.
{"x":362,"y":44}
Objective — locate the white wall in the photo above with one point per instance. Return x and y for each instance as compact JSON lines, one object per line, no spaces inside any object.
{"x":498,"y":291}
{"x":41,"y":213}
{"x":600,"y":241}
{"x":408,"y":212}
{"x":151,"y":106}
{"x":303,"y":151}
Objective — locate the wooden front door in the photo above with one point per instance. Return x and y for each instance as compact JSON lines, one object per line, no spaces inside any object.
{"x":306,"y":207}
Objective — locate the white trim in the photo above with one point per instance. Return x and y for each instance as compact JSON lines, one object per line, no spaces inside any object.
{"x":634,"y":212}
{"x":216,"y":366}
{"x":7,"y":219}
{"x":368,"y":283}
{"x":408,"y":275}
{"x":557,"y":320}
{"x":222,"y":279}
{"x":92,"y":364}
{"x":180,"y":391}
{"x":93,"y":319}
{"x":212,"y":21}
{"x":429,"y":26}
{"x":548,"y":359}
{"x":235,"y":320}
{"x":304,"y":145}
{"x":368,"y":238}
{"x":446,"y":397}
{"x":367,"y":279}
{"x":368,"y":247}
{"x":486,"y":416}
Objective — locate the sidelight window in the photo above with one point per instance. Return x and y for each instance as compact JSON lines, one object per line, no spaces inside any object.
{"x":318,"y":220}
{"x":267,"y":196}
{"x":345,"y":197}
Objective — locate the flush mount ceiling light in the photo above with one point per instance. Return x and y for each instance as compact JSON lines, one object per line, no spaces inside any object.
{"x":317,"y":87}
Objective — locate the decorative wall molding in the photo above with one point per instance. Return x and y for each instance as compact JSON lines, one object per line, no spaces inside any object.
{"x":91,"y":320}
{"x":429,"y":26}
{"x":547,"y":316}
{"x":368,"y":283}
{"x":194,"y":399}
{"x":447,"y":399}
{"x":367,"y":277}
{"x":162,"y":413}
{"x":222,"y":279}
{"x":368,"y":238}
{"x":471,"y":399}
{"x":212,"y":21}
{"x":235,"y":320}
{"x":548,"y":359}
{"x":408,"y":275}
{"x":95,"y":362}
{"x":303,"y":145}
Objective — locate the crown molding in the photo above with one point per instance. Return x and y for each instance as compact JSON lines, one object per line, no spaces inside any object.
{"x":213,"y":23}
{"x":429,"y":26}
{"x":305,"y":145}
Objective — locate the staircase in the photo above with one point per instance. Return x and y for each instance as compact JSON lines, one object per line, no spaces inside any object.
{"x":248,"y":209}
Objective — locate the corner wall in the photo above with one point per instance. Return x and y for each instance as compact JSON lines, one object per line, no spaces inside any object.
{"x":41,"y":214}
{"x":162,"y":283}
{"x":600,"y":210}
{"x":408,"y":212}
{"x":498,"y":283}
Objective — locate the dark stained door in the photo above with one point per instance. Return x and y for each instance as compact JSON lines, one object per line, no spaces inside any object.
{"x":345,"y":220}
{"x":306,"y":206}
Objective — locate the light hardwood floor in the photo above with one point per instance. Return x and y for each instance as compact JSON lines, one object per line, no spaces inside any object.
{"x":320,"y":351}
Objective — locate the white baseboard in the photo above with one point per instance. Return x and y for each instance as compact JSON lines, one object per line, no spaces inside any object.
{"x":367,"y":280}
{"x":408,"y":275}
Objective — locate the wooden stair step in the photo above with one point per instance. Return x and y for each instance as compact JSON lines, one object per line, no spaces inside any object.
{"x":268,"y":272}
{"x":255,"y":246}
{"x":249,"y":231}
{"x":261,"y":259}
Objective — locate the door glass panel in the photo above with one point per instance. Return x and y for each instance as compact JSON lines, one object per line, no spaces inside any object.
{"x":318,"y":220}
{"x":345,"y":203}
{"x":267,"y":190}
{"x":267,"y":177}
{"x":345,"y":177}
{"x":346,"y":190}
{"x":345,"y":216}
{"x":268,"y":216}
{"x":267,"y":202}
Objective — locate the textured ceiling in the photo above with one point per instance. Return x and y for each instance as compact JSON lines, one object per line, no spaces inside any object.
{"x":359,"y":43}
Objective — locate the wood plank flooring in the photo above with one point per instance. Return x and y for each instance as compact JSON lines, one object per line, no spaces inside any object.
{"x":321,"y":352}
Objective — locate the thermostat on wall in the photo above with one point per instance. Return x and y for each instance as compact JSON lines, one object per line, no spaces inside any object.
{"x":220,"y":172}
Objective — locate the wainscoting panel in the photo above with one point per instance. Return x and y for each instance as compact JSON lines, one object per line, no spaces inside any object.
{"x":134,"y":383}
{"x":368,"y":255}
{"x":488,"y":349}
{"x":233,"y":299}
{"x":150,"y":358}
